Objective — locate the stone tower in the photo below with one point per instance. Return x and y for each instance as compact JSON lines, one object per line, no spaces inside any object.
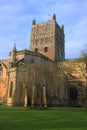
{"x":48,"y":39}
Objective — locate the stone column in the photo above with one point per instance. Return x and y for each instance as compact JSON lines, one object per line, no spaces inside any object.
{"x":25,"y":98}
{"x":33,"y":93}
{"x":44,"y":97}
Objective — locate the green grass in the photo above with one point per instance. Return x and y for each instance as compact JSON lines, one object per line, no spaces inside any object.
{"x":62,"y":118}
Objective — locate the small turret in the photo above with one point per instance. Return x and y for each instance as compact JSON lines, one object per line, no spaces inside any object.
{"x":33,"y":22}
{"x":62,"y":28}
{"x":14,"y":48}
{"x":13,"y":54}
{"x":54,"y":17}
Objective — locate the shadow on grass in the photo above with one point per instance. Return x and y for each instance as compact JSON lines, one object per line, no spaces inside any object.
{"x":36,"y":108}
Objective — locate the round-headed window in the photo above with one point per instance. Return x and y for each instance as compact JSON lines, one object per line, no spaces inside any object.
{"x":46,"y":49}
{"x":36,"y":49}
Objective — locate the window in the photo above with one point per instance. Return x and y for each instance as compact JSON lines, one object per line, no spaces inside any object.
{"x":47,"y":40}
{"x":46,"y":49}
{"x":0,"y":73}
{"x":47,"y":28}
{"x":36,"y":42}
{"x":42,"y":40}
{"x":73,"y":94}
{"x":11,"y":89}
{"x":36,"y":49}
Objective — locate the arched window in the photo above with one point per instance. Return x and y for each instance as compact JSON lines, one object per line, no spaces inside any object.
{"x":36,"y":49}
{"x":73,"y":96}
{"x":11,"y":89}
{"x":0,"y":73}
{"x":46,"y":49}
{"x":73,"y":93}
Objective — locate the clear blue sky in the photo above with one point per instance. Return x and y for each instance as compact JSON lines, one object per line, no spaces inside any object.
{"x":16,"y":18}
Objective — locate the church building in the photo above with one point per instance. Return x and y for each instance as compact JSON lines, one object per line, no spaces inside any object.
{"x":47,"y":45}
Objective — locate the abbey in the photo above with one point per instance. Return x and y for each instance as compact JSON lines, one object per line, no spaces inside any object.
{"x":22,"y":81}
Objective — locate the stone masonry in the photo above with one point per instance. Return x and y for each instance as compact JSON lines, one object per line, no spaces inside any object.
{"x":47,"y":45}
{"x":48,"y":39}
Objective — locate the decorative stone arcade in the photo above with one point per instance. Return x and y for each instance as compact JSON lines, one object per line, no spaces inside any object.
{"x":43,"y":97}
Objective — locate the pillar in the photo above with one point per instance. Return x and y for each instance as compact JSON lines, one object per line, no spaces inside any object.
{"x":25,"y":98}
{"x":33,"y":93}
{"x":44,"y":97}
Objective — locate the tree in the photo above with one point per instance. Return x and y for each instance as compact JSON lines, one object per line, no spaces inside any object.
{"x":41,"y":75}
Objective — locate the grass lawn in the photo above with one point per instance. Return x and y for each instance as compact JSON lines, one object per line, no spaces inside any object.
{"x":62,"y":118}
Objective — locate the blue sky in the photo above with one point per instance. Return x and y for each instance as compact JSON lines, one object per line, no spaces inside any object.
{"x":16,"y":19}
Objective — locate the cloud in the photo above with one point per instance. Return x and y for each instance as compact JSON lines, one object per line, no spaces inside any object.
{"x":76,"y":38}
{"x":16,"y":19}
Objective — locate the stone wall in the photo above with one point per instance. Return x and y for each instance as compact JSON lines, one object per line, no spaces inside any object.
{"x":76,"y":75}
{"x":3,"y":78}
{"x":57,"y":95}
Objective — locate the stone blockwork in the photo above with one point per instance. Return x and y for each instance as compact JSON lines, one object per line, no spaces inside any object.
{"x":25,"y":92}
{"x":75,"y":71}
{"x":17,"y":79}
{"x":69,"y":90}
{"x":8,"y":71}
{"x":3,"y":78}
{"x":48,"y":39}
